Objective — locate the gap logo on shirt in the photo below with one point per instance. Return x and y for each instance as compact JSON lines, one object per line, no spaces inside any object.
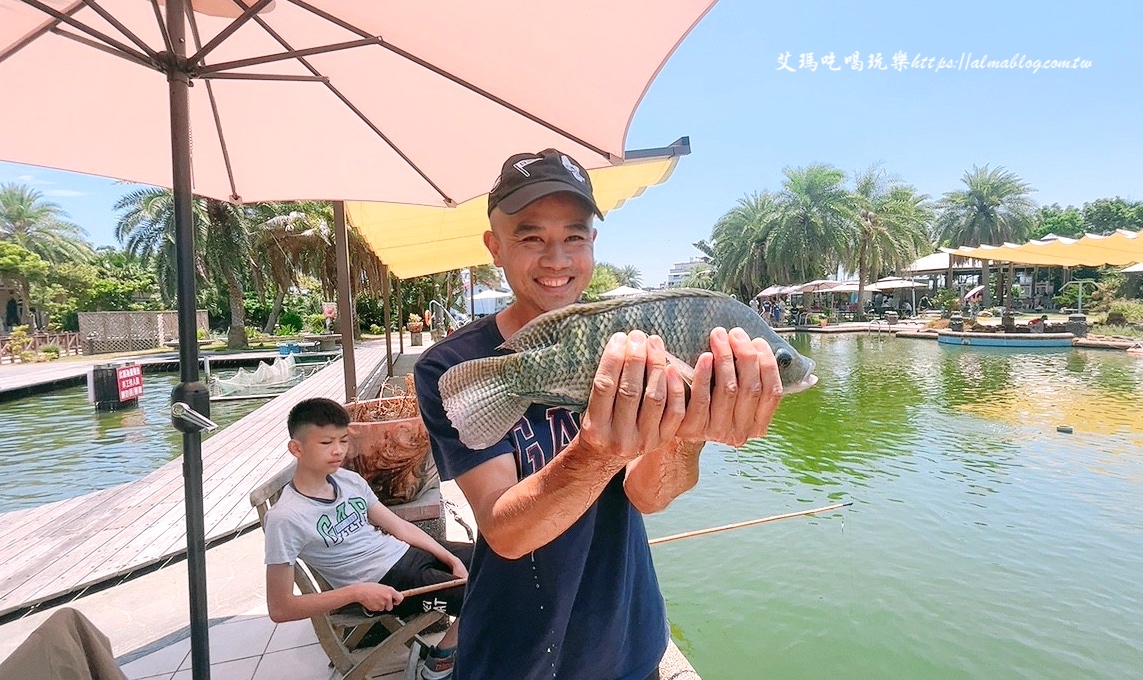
{"x":350,"y":517}
{"x":540,"y":435}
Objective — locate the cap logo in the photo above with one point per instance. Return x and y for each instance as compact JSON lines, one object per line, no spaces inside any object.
{"x":522,"y":164}
{"x":572,"y":168}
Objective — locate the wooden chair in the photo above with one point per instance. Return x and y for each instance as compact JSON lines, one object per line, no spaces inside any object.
{"x":340,"y":634}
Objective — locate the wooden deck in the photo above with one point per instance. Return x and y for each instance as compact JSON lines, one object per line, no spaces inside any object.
{"x":62,"y":547}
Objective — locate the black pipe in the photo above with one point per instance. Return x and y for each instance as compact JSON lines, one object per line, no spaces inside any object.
{"x":190,"y":390}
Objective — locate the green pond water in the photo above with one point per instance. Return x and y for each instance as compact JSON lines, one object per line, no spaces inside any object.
{"x":981,"y":544}
{"x":56,"y":445}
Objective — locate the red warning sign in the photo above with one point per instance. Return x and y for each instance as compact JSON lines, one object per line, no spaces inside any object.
{"x":130,"y":382}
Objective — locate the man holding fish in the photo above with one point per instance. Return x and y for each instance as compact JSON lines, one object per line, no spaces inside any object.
{"x":562,"y":583}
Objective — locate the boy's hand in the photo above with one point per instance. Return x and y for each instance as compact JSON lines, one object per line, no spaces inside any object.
{"x":458,"y":568}
{"x":377,"y":597}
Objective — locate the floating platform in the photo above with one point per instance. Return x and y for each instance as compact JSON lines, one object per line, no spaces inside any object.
{"x":1023,"y":340}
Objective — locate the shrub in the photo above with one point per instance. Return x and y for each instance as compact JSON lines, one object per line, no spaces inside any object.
{"x":19,"y":341}
{"x":948,"y":300}
{"x":314,"y":323}
{"x":1130,"y":311}
{"x":374,"y":329}
{"x":286,"y":330}
{"x":291,"y":319}
{"x":51,"y":351}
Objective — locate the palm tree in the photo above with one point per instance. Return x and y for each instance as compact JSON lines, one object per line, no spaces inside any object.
{"x":814,"y":224}
{"x":629,"y":275}
{"x":40,"y":226}
{"x":892,"y":226}
{"x":146,"y":229}
{"x":738,"y":246}
{"x":994,"y":207}
{"x":291,"y":239}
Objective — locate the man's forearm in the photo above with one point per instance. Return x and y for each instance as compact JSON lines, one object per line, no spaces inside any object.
{"x":536,"y":510}
{"x":658,"y":477}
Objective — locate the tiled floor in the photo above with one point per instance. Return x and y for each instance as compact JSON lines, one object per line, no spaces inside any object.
{"x":243,"y":648}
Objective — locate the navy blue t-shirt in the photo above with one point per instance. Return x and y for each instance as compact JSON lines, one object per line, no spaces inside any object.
{"x":586,"y":606}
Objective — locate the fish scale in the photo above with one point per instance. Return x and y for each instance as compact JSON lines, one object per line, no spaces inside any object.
{"x":557,"y":354}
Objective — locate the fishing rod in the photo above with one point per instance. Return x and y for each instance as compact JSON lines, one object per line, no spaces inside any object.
{"x":748,"y":523}
{"x":445,"y":585}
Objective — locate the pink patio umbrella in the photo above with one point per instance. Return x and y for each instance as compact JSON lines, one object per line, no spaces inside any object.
{"x":408,"y":102}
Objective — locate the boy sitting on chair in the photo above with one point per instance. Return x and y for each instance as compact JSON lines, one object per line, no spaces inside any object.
{"x":328,"y":517}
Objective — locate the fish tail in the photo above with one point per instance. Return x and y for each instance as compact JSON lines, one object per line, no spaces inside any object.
{"x":479,"y":403}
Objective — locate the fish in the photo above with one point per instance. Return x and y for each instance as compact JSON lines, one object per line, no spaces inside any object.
{"x":555,"y":356}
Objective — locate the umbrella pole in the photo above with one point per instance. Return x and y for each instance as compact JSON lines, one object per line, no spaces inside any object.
{"x":189,"y":391}
{"x":347,"y":317}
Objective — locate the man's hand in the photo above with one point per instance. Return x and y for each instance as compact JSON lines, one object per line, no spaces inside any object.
{"x":747,"y":389}
{"x":637,"y":400}
{"x":376,"y":597}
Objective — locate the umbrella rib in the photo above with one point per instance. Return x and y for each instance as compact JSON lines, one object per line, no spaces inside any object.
{"x":345,"y":100}
{"x":281,"y":56}
{"x":36,"y":34}
{"x":162,"y":25}
{"x":214,"y":110}
{"x":456,"y":79}
{"x":94,"y":44}
{"x":238,"y":23}
{"x":264,"y":76}
{"x":122,"y":29}
{"x":70,"y":21}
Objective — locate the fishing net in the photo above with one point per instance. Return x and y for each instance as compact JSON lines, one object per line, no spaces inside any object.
{"x":283,"y":372}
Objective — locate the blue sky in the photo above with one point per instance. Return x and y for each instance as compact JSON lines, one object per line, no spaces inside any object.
{"x":1075,"y":135}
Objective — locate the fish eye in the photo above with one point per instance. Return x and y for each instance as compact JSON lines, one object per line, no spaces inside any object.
{"x":784,"y":358}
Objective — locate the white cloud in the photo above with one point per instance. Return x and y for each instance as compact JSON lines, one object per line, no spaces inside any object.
{"x":32,"y":179}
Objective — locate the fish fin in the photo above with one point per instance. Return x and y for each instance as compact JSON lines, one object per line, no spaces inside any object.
{"x":478,"y":402}
{"x":686,"y":372}
{"x":548,"y":328}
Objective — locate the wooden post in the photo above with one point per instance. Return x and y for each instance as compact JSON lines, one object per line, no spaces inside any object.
{"x":345,"y":315}
{"x":388,"y":307}
{"x":985,"y":296}
{"x":1011,"y":285}
{"x":400,"y":315}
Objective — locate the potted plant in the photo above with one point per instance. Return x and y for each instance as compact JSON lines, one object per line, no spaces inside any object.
{"x":389,"y":445}
{"x":416,"y":328}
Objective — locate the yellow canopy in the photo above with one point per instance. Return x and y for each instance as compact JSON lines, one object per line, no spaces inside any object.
{"x":1122,"y":247}
{"x":417,"y":240}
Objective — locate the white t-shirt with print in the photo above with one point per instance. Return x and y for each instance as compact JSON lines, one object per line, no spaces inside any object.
{"x":333,"y":537}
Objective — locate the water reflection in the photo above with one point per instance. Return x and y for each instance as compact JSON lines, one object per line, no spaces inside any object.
{"x":885,"y":406}
{"x":976,"y":532}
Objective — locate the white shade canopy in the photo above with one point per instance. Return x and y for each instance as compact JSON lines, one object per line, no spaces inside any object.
{"x":622,"y":291}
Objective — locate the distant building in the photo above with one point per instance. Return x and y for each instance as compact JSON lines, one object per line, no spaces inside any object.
{"x":679,"y":271}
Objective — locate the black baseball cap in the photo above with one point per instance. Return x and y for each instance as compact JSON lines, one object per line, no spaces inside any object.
{"x":526,"y":177}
